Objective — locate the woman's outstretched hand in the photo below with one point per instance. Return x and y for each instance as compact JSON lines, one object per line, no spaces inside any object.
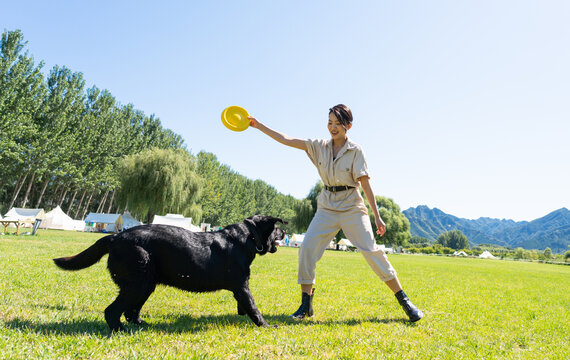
{"x":253,"y":122}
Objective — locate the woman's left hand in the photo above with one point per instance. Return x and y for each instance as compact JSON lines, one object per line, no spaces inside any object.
{"x":380,"y":225}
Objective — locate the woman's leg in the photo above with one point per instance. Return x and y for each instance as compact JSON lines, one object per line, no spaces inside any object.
{"x":322,"y":229}
{"x":357,"y":227}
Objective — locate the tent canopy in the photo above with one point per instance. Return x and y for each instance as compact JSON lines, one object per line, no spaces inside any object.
{"x":25,"y":214}
{"x":176,"y":220}
{"x":486,"y":255}
{"x":345,"y":242}
{"x":57,"y":219}
{"x":129,"y":221}
{"x":106,"y":222}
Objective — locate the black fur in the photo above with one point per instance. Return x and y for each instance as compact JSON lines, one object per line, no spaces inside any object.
{"x":147,"y":255}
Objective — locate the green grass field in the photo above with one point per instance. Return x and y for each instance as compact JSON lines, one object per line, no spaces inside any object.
{"x":473,"y":309}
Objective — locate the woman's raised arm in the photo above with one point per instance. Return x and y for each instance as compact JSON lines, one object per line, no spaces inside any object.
{"x":277,"y":136}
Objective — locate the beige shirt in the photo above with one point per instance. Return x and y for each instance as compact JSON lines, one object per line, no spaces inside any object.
{"x":345,"y":169}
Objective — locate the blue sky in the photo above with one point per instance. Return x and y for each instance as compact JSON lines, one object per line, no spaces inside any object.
{"x":459,"y":105}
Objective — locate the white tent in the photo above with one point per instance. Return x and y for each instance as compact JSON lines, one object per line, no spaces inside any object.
{"x":296,"y":240}
{"x":176,"y":220}
{"x":28,"y":215}
{"x":57,"y":219}
{"x":486,"y":255}
{"x":25,"y":214}
{"x":129,"y":221}
{"x":105,"y":222}
{"x":460,"y":253}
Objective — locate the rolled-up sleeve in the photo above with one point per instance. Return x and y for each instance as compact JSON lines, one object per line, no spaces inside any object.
{"x":359,"y":167}
{"x":313,"y":150}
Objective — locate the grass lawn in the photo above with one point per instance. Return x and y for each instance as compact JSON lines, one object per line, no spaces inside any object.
{"x":473,"y":309}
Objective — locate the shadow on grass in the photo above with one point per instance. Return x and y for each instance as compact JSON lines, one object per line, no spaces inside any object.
{"x":177,"y":324}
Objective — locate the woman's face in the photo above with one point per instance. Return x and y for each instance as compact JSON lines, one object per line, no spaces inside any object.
{"x":337,"y":131}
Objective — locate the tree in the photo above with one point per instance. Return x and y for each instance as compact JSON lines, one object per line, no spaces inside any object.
{"x":158,"y":181}
{"x":303,"y":215}
{"x":548,"y":253}
{"x":454,"y":239}
{"x":397,"y":225}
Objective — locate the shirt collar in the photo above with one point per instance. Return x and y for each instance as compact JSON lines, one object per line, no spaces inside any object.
{"x":349,"y":145}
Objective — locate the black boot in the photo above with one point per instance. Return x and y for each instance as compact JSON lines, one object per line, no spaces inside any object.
{"x":411,"y":310}
{"x":306,"y":308}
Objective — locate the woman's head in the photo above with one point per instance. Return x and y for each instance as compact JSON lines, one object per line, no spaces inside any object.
{"x":343,"y":114}
{"x":340,"y":120}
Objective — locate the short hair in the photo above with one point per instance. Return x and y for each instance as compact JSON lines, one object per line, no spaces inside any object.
{"x":343,"y":114}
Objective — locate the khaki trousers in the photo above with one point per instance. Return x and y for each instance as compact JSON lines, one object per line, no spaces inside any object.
{"x":356,"y":226}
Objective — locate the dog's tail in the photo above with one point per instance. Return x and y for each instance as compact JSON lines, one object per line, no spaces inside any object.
{"x":87,"y":257}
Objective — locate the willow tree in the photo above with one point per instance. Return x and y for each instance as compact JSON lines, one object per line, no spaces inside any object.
{"x":397,"y":225}
{"x":159,"y":181}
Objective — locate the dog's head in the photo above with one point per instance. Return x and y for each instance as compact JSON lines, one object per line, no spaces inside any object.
{"x":265,"y":232}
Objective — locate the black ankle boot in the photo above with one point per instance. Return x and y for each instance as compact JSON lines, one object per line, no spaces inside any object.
{"x":411,"y":310}
{"x":306,"y":308}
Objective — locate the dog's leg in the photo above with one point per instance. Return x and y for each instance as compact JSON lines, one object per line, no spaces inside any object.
{"x":133,"y":315}
{"x":246,"y":303}
{"x":241,"y":311}
{"x":113,"y":314}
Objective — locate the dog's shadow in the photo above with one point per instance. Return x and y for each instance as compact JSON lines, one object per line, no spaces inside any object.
{"x":179,"y":324}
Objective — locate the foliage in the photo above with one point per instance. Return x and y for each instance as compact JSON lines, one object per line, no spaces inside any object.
{"x":229,"y":197}
{"x":454,"y":239}
{"x":47,"y":313}
{"x":397,"y":225}
{"x":60,"y":142}
{"x":159,"y":181}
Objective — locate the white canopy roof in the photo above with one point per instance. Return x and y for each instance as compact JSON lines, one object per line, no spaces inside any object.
{"x":345,"y":242}
{"x":486,"y":255}
{"x":176,"y":220}
{"x":25,"y":214}
{"x":129,"y":221}
{"x":57,"y":219}
{"x":113,"y":222}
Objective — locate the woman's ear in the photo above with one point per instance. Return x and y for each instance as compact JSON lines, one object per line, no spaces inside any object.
{"x":349,"y":126}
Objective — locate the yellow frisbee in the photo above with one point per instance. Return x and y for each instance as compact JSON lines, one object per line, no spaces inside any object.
{"x":235,"y":118}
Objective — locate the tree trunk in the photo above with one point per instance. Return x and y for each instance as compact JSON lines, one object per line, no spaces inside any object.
{"x":111,"y":203}
{"x":28,"y":191}
{"x":42,"y":193}
{"x":60,"y":202}
{"x":101,"y":206}
{"x":87,"y":204}
{"x":71,"y":202}
{"x":80,"y":204}
{"x":19,"y":185}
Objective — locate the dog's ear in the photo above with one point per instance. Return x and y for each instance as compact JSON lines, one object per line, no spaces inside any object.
{"x":280,"y":220}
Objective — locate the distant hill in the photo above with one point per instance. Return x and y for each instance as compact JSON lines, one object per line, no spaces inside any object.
{"x":552,"y":230}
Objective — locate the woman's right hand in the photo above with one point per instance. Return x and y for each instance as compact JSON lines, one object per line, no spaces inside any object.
{"x":253,"y":122}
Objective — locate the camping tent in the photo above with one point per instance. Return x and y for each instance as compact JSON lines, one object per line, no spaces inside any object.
{"x":25,"y":214}
{"x":28,"y":215}
{"x":105,"y":222}
{"x":486,"y":255}
{"x":57,"y":219}
{"x":176,"y":220}
{"x":129,"y":221}
{"x":296,"y":240}
{"x":344,"y":244}
{"x":460,"y":253}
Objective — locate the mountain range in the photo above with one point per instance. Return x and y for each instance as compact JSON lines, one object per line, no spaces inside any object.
{"x":552,"y":230}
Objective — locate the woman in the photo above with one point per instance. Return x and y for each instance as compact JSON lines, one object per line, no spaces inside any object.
{"x":342,"y":168}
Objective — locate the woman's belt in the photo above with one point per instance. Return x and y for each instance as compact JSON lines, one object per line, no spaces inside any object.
{"x":338,"y":188}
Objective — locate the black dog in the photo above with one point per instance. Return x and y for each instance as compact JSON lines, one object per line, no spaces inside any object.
{"x":143,"y":256}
